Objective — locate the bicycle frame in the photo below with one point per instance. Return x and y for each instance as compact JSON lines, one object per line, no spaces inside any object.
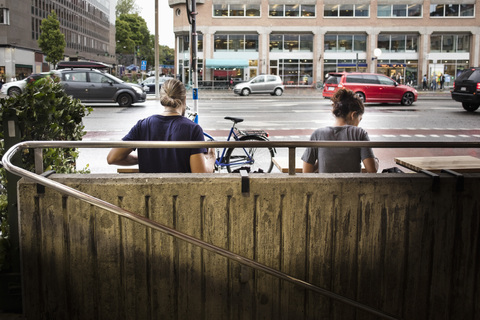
{"x":219,"y":161}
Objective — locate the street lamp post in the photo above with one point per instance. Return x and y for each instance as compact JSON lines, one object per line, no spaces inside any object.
{"x":376,"y":53}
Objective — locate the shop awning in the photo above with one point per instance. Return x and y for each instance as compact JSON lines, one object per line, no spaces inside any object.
{"x":226,"y":63}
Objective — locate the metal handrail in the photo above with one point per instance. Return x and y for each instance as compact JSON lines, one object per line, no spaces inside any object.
{"x":6,"y":160}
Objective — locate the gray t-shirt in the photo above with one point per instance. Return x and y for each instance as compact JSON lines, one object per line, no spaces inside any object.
{"x":331,"y":160}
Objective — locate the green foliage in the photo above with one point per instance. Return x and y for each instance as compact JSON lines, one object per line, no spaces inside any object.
{"x":52,"y":40}
{"x":126,"y":7}
{"x":44,"y":112}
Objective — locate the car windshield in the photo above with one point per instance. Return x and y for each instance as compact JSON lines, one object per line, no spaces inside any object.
{"x":113,"y":78}
{"x":333,"y":79}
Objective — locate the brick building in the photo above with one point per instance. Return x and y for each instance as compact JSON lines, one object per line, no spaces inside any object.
{"x":303,"y":40}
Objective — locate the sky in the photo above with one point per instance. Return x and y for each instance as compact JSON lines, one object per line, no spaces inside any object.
{"x":165,"y":20}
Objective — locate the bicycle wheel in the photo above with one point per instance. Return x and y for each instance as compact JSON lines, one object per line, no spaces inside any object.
{"x":252,"y":159}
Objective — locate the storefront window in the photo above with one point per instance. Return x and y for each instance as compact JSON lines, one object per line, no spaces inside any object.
{"x":293,"y":72}
{"x":345,"y":43}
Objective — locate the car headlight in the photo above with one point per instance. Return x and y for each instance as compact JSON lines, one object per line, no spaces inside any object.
{"x":138,"y":90}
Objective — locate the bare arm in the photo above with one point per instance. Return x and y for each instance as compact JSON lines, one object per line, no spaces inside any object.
{"x":203,"y":163}
{"x":371,"y":165}
{"x":309,"y":168}
{"x":122,"y":157}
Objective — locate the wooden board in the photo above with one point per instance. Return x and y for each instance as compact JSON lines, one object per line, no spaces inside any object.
{"x":436,"y":164}
{"x":282,"y":164}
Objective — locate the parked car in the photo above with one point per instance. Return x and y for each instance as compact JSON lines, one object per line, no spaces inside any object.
{"x":149,"y":84}
{"x":90,"y":85}
{"x":261,"y":84}
{"x":370,"y":87}
{"x":466,"y":89}
{"x":17,"y":87}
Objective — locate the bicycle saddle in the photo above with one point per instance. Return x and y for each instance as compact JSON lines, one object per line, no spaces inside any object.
{"x":235,"y":120}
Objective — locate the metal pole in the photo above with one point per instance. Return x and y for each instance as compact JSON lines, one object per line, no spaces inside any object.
{"x":193,"y":56}
{"x":156,"y":51}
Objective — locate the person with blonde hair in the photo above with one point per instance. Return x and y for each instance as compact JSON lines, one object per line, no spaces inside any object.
{"x":170,"y":125}
{"x":348,"y":110}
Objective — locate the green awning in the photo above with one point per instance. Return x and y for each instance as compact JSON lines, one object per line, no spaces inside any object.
{"x":226,"y":63}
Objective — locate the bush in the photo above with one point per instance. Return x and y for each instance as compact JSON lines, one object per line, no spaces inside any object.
{"x":45,"y":113}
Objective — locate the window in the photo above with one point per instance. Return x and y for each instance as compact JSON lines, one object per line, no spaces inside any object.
{"x":399,"y":10}
{"x":4,"y":16}
{"x":345,"y":43}
{"x":452,"y":10}
{"x":184,"y":43}
{"x":346,"y":10}
{"x":449,"y":43}
{"x":236,"y":10}
{"x":291,"y":42}
{"x":291,"y":10}
{"x":236,"y":42}
{"x":397,"y":42}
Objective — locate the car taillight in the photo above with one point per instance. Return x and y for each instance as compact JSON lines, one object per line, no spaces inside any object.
{"x":478,"y":86}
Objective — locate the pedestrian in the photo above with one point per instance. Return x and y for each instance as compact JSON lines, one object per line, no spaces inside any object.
{"x":442,"y":81}
{"x":170,"y":125}
{"x":348,"y":110}
{"x":434,"y":82}
{"x":424,"y":82}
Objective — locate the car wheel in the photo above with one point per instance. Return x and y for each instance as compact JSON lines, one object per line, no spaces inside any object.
{"x":407,"y":99}
{"x":245,"y":92}
{"x":469,"y":106}
{"x":360,"y":96}
{"x":13,"y":91}
{"x":124,"y":100}
{"x":278,"y":92}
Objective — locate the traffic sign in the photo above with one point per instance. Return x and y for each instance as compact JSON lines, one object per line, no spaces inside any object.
{"x":143,"y":66}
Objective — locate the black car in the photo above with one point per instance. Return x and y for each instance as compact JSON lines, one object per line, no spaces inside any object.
{"x":466,"y":89}
{"x":95,"y":86}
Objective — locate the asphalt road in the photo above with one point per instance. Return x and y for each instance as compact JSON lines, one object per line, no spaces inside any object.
{"x":435,"y":118}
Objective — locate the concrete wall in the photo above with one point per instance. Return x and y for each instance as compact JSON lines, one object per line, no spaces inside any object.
{"x":391,"y":241}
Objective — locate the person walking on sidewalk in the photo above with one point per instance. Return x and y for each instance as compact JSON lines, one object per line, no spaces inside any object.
{"x":424,"y":82}
{"x":348,"y":110}
{"x":170,"y":125}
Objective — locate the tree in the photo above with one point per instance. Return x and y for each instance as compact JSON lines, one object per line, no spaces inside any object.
{"x":52,"y":40}
{"x":126,"y":7}
{"x":132,"y":35}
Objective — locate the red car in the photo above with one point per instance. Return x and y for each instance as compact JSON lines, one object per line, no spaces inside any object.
{"x":370,"y":87}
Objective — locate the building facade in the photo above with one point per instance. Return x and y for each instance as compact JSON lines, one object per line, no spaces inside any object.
{"x":303,"y":40}
{"x":88,"y":26}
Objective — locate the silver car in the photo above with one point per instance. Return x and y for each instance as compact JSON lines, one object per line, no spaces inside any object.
{"x":261,"y":84}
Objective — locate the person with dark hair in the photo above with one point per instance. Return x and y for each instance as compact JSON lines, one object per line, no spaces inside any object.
{"x":170,"y":125}
{"x":348,"y":110}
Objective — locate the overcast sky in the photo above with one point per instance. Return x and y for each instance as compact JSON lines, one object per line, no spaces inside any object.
{"x":165,"y":20}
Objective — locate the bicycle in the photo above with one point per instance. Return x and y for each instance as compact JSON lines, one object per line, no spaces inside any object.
{"x":246,"y":158}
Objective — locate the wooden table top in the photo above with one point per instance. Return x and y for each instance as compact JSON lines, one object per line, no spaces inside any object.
{"x":436,"y":164}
